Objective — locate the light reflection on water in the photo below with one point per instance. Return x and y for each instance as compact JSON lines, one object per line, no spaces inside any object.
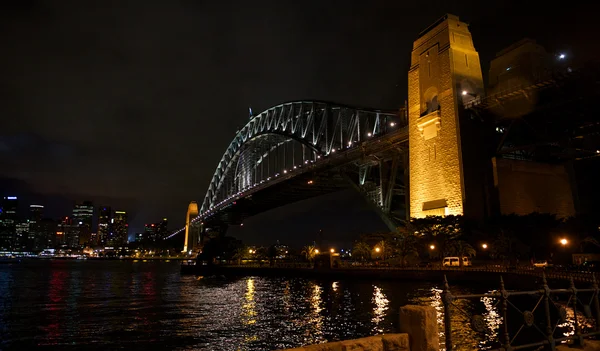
{"x":380,"y":308}
{"x":139,"y":306}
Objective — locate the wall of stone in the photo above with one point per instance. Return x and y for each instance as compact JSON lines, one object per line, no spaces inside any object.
{"x":444,"y":63}
{"x":525,"y":187}
{"x":386,"y":342}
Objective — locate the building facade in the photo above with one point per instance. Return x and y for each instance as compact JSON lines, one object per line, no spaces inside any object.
{"x":445,"y":73}
{"x":104,"y":225}
{"x":8,"y":222}
{"x":83,"y":215}
{"x":119,"y":230}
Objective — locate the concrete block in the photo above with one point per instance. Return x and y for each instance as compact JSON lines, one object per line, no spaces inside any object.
{"x":420,"y":323}
{"x":372,"y":343}
{"x":330,"y":346}
{"x":395,"y":342}
{"x":590,"y":345}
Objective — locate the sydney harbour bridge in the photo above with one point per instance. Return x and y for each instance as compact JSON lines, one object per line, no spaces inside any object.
{"x":303,"y":149}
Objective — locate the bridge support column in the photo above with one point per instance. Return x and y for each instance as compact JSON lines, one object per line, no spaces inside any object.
{"x":189,"y":233}
{"x":445,"y":74}
{"x":382,"y":187}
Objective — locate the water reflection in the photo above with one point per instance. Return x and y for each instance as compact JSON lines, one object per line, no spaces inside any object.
{"x":249,"y":307}
{"x":493,"y":320}
{"x":315,"y":318}
{"x":381,"y":305}
{"x":100,"y":306}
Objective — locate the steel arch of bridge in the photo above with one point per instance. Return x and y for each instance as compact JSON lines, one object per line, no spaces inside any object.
{"x":320,"y":128}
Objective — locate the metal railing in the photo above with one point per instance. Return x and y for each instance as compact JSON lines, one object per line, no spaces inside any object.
{"x":537,"y":326}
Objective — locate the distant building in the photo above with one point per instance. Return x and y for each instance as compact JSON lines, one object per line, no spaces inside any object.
{"x":22,"y":237}
{"x":139,"y":237}
{"x":119,"y":229}
{"x":8,"y":222}
{"x":67,"y":233}
{"x":35,"y":237}
{"x":83,"y":215}
{"x":36,"y":213}
{"x":104,"y":224}
{"x":162,"y":230}
{"x":150,"y":232}
{"x":47,"y":235}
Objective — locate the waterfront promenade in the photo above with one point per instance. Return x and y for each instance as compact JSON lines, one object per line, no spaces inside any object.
{"x":483,"y":274}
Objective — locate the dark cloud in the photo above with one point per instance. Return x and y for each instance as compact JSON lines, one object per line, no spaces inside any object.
{"x":138,"y":99}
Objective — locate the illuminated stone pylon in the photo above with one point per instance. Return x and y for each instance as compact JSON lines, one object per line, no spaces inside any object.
{"x":445,"y":74}
{"x":191,"y":213}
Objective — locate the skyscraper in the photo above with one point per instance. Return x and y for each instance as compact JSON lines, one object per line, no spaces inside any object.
{"x":119,"y":229}
{"x":150,"y":232}
{"x":36,"y":212}
{"x":104,"y":223}
{"x":83,"y":215}
{"x":67,"y":233}
{"x":8,"y":222}
{"x":161,"y":229}
{"x":36,"y":238}
{"x":22,"y":236}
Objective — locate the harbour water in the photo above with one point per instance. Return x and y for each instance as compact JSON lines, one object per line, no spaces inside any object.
{"x":112,"y":305}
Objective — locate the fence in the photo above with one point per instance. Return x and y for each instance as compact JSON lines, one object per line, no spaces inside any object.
{"x":579,"y":276}
{"x":535,"y":333}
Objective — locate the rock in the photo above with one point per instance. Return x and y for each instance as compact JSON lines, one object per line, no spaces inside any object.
{"x":395,"y":342}
{"x":372,"y":343}
{"x":420,"y":323}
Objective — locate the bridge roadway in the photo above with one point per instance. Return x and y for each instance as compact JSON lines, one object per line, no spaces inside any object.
{"x":311,"y":180}
{"x":516,"y":278}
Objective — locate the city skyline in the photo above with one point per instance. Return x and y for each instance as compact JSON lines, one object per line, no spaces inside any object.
{"x":84,"y":226}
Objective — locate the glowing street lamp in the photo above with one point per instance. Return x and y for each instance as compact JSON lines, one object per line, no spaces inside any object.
{"x":332,"y":250}
{"x":484,"y":246}
{"x":432,"y":247}
{"x":377,"y":249}
{"x":316,"y":251}
{"x":564,"y":242}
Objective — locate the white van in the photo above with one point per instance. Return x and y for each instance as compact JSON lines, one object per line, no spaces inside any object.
{"x":454,"y":262}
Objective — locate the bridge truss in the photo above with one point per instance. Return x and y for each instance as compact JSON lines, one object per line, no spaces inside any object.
{"x":303,"y":137}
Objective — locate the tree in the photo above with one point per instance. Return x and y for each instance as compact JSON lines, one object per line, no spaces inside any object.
{"x":272,"y":254}
{"x":406,"y":246}
{"x":383,"y":246}
{"x":309,"y":252}
{"x":440,"y":229}
{"x":240,"y":253}
{"x":461,"y":249}
{"x":361,"y":251}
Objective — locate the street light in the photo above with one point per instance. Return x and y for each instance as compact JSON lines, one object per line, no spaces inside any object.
{"x":332,"y":250}
{"x":316,"y":251}
{"x":377,"y":249}
{"x":432,"y":247}
{"x":564,"y":241}
{"x":250,"y":251}
{"x":484,"y":246}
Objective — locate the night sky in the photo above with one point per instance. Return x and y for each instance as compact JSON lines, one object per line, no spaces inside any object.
{"x":132,"y":103}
